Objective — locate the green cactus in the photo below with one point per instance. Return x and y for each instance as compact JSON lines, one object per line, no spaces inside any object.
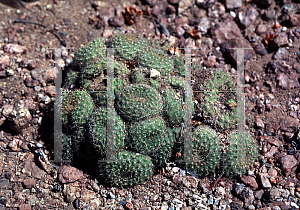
{"x":71,"y":79}
{"x":218,"y":89}
{"x":90,"y":53}
{"x":173,"y":110}
{"x":97,"y":132}
{"x":206,"y":151}
{"x":162,"y":154}
{"x":138,"y":75}
{"x":147,"y":135}
{"x":76,"y":108}
{"x":127,"y":45}
{"x":177,"y":82}
{"x":127,"y":169}
{"x":67,"y":151}
{"x":179,"y":65}
{"x":155,"y":59}
{"x":139,"y":101}
{"x":242,"y":151}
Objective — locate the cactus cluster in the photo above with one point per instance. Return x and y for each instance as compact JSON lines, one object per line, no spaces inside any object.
{"x":149,"y":105}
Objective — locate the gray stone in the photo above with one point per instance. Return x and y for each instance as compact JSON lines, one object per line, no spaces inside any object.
{"x":238,"y":188}
{"x":69,"y":193}
{"x":232,"y":4}
{"x":274,"y":194}
{"x":7,"y":109}
{"x":247,"y":196}
{"x":264,"y":181}
{"x":4,"y":183}
{"x":246,"y":15}
{"x":20,"y":117}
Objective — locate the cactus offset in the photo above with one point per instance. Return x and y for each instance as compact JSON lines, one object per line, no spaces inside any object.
{"x":139,"y":101}
{"x":218,"y":88}
{"x":127,"y":169}
{"x":206,"y":151}
{"x":242,"y":151}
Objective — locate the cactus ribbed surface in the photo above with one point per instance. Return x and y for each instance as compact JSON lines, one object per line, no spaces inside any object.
{"x":241,"y":153}
{"x":127,"y":169}
{"x":139,"y":101}
{"x":205,"y":151}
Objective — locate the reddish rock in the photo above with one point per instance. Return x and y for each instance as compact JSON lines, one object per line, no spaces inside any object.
{"x":289,"y":124}
{"x":272,"y":151}
{"x":298,"y":176}
{"x":247,"y":196}
{"x":216,"y":10}
{"x":4,"y":61}
{"x":29,"y":183}
{"x":24,"y":207}
{"x":170,"y":9}
{"x":69,"y":174}
{"x":225,"y":31}
{"x":190,"y":181}
{"x":261,"y":29}
{"x":116,"y":21}
{"x":14,"y":48}
{"x":211,"y":61}
{"x":281,"y":40}
{"x":2,"y":74}
{"x":246,"y":15}
{"x":277,"y":203}
{"x":87,"y":195}
{"x":259,"y":123}
{"x":15,"y":144}
{"x":179,"y":31}
{"x":177,"y":179}
{"x":93,"y":205}
{"x":294,"y":19}
{"x":173,"y":1}
{"x":288,"y":164}
{"x":232,"y":4}
{"x":42,"y":75}
{"x":20,"y":118}
{"x":29,"y":82}
{"x":272,"y":172}
{"x":50,"y":90}
{"x":288,"y":136}
{"x":181,"y":21}
{"x":50,"y":74}
{"x":258,"y":194}
{"x":250,"y":181}
{"x":237,"y":42}
{"x":289,"y":184}
{"x":274,"y":141}
{"x":32,"y":168}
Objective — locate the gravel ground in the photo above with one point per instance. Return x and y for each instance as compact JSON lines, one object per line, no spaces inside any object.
{"x":272,"y":74}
